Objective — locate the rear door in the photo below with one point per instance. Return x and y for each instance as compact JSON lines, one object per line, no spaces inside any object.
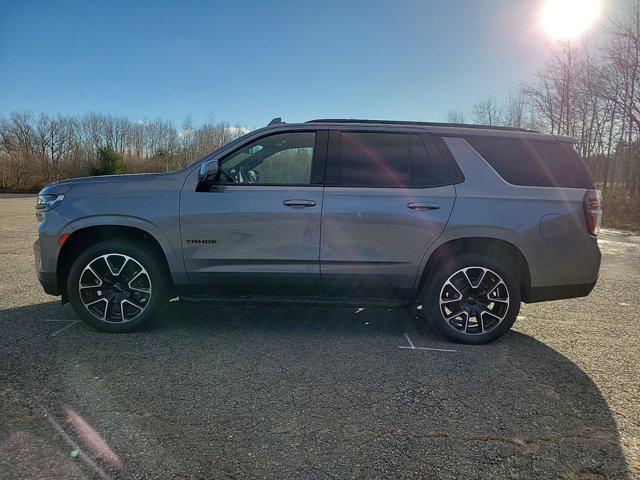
{"x":260,"y":225}
{"x":388,"y":196}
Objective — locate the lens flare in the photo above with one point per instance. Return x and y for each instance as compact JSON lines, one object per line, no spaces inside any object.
{"x":568,"y":19}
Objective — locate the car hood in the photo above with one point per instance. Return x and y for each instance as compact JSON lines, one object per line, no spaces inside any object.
{"x":63,"y":186}
{"x":133,"y":177}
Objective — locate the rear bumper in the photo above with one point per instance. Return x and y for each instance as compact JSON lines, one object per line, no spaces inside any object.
{"x":560,"y":266}
{"x":559,"y":292}
{"x":562,"y":271}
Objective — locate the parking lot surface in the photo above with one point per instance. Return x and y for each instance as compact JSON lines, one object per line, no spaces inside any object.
{"x":316,"y":393}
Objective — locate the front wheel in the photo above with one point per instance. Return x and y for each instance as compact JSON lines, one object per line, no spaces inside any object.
{"x":116,"y":286}
{"x":472,"y":299}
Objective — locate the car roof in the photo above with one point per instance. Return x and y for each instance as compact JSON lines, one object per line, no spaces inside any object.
{"x":440,"y":128}
{"x":418,"y":124}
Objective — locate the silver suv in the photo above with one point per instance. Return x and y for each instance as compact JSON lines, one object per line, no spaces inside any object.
{"x":467,"y":221}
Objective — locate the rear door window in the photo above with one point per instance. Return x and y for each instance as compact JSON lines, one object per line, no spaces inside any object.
{"x":374,"y":159}
{"x":427,"y":167}
{"x":533,"y":163}
{"x":395,"y":160}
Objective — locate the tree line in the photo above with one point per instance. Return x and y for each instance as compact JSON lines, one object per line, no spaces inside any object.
{"x":38,"y":149}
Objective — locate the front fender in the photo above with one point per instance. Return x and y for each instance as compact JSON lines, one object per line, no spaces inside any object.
{"x":171,"y":250}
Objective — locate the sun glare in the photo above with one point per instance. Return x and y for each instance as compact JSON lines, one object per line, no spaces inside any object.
{"x":568,"y":19}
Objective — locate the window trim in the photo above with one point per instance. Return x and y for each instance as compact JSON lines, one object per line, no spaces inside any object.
{"x":318,"y":161}
{"x":333,"y":171}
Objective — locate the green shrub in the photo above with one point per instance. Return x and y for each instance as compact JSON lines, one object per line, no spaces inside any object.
{"x":109,"y":162}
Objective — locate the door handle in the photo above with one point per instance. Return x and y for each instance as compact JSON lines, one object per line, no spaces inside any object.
{"x":299,"y":203}
{"x":423,"y":206}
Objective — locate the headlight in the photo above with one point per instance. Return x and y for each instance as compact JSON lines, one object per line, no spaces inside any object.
{"x":51,"y":195}
{"x":47,"y":202}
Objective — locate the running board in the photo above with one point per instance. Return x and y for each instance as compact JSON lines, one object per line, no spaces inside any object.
{"x":370,"y":302}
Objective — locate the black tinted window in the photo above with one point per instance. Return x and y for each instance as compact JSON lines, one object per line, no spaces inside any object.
{"x":427,"y":167}
{"x":581,"y":168}
{"x":374,"y":159}
{"x":533,"y":163}
{"x":391,"y":160}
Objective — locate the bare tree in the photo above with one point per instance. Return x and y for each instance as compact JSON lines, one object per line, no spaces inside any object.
{"x":455,"y":116}
{"x":487,"y":112}
{"x":35,"y":150}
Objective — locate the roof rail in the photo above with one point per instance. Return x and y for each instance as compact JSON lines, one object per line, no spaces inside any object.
{"x":427,"y":124}
{"x":275,"y":121}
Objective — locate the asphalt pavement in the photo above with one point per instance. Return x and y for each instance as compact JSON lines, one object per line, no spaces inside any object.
{"x":317,"y":393}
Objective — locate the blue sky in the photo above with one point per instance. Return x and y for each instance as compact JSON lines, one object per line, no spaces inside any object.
{"x":247,"y":62}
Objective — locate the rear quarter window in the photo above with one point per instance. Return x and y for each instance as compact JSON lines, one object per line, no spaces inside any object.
{"x":533,"y":162}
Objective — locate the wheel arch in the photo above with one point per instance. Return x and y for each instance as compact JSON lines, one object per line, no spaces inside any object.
{"x":494,"y":247}
{"x":89,"y":234}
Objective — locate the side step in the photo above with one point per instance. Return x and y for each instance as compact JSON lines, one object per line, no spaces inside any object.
{"x":370,"y":302}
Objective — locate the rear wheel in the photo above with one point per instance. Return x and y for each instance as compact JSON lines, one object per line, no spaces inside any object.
{"x":116,"y":286}
{"x":472,"y":299}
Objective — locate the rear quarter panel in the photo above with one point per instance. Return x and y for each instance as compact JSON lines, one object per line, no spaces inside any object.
{"x":546,"y":224}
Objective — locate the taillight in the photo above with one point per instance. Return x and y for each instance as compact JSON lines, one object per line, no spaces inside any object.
{"x":593,"y":210}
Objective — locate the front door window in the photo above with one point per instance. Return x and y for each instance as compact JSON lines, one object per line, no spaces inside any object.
{"x":282,"y":159}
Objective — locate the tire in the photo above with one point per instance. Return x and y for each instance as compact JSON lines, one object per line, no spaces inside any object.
{"x":483,"y":288}
{"x":121,"y":281}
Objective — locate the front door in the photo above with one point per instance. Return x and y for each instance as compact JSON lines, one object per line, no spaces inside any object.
{"x":259,"y":226}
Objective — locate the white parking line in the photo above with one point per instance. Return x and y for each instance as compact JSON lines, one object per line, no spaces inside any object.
{"x":413,"y":347}
{"x":64,"y":328}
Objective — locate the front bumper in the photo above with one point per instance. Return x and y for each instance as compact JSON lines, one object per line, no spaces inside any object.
{"x":48,"y":280}
{"x":46,"y":248}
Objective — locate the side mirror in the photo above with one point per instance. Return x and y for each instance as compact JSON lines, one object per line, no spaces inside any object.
{"x":207,"y":175}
